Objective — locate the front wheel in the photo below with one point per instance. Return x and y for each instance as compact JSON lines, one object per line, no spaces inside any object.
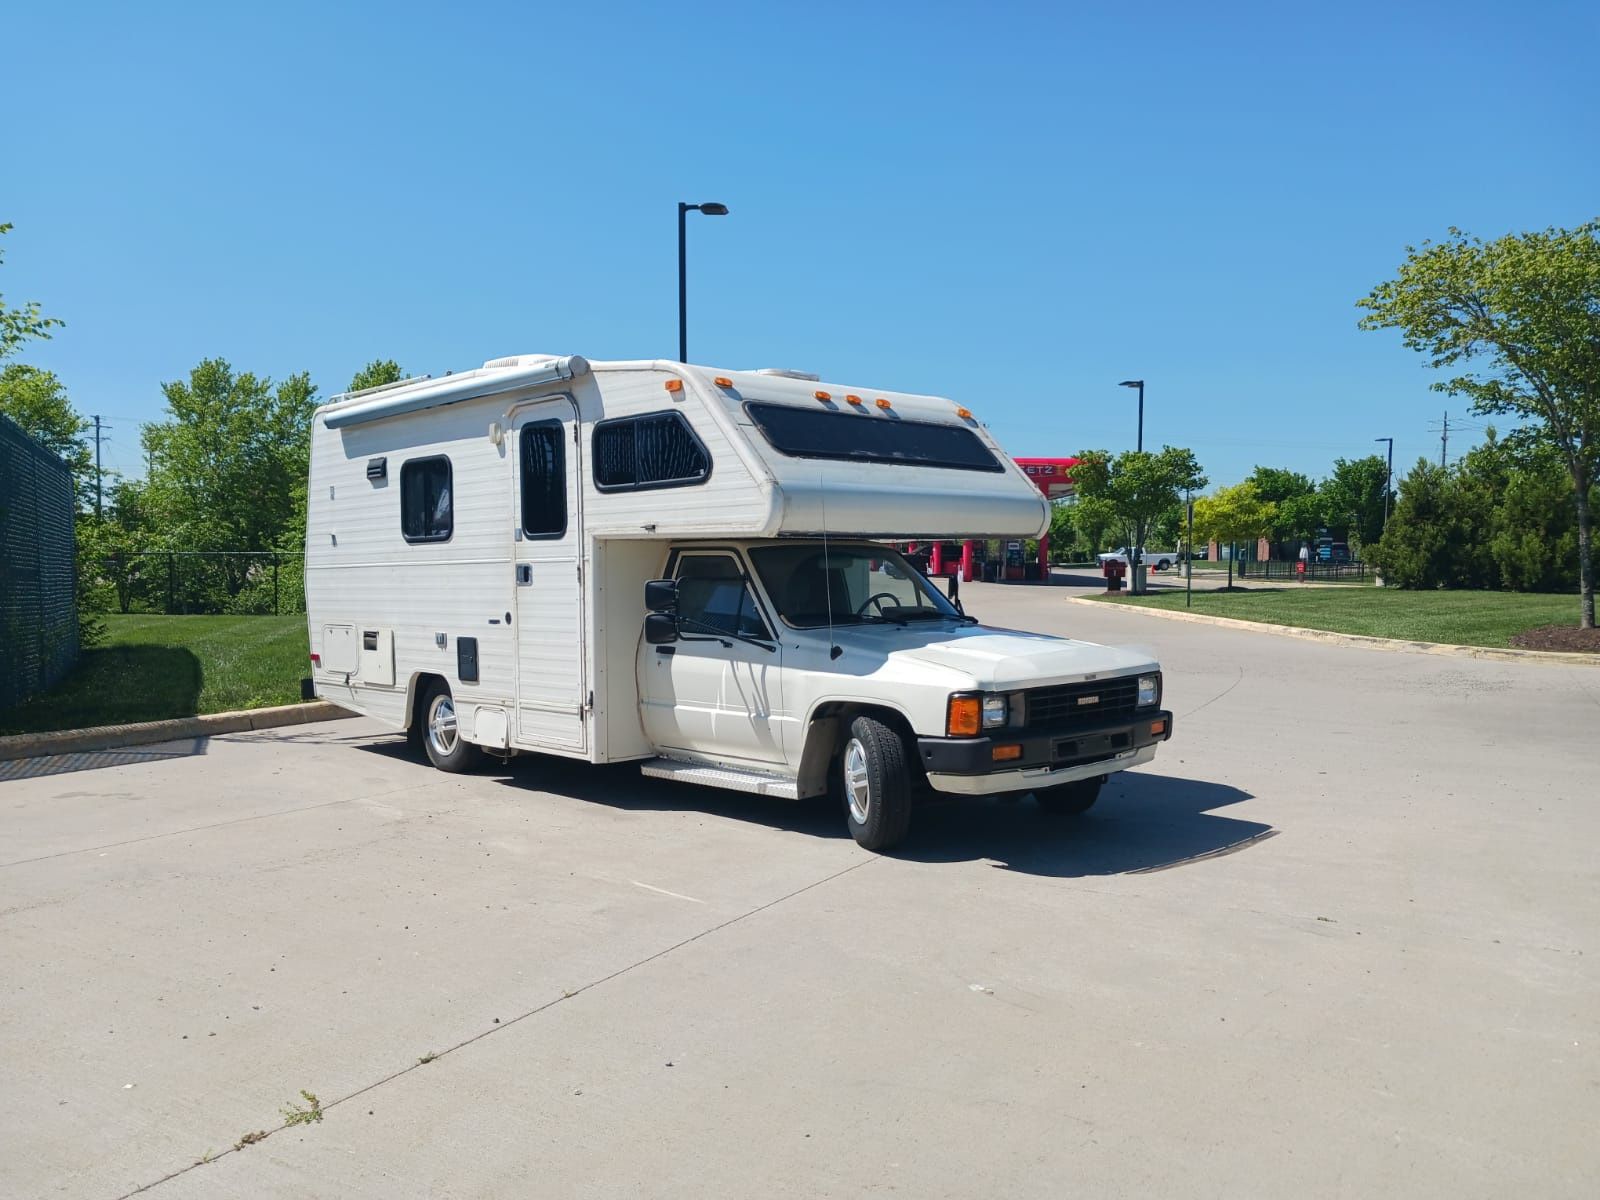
{"x":877,"y":784}
{"x":441,"y":732}
{"x":1069,"y":799}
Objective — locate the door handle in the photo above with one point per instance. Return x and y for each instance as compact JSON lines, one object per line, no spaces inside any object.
{"x":666,"y":651}
{"x":524,"y":573}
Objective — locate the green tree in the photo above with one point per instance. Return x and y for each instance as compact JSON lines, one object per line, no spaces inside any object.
{"x":1525,"y":310}
{"x":1294,"y":515}
{"x":1138,"y":487}
{"x":229,"y":463}
{"x":1093,"y":517}
{"x":17,"y":325}
{"x":377,"y":373}
{"x":1438,"y":533}
{"x":1233,"y":514}
{"x":35,"y":400}
{"x":1355,"y":494}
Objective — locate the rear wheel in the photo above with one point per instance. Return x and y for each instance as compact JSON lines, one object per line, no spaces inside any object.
{"x":876,"y":780}
{"x":441,"y":732}
{"x":1069,"y":799}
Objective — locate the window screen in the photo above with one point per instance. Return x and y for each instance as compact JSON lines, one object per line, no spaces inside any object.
{"x":856,"y":437}
{"x":713,"y":595}
{"x":652,"y":451}
{"x":544,"y":480}
{"x":425,"y":510}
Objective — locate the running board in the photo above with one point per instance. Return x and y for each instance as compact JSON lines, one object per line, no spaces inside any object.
{"x":731,"y":778}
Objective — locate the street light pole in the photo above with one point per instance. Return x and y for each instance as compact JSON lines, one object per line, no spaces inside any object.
{"x":1388,"y":479}
{"x":1137,"y":383}
{"x":710,"y":210}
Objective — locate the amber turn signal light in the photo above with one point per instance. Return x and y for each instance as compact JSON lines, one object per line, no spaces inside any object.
{"x":1005,"y":753}
{"x":1158,"y":727}
{"x":964,"y":717}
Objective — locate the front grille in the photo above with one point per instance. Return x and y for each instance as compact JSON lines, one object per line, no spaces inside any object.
{"x":1070,"y":704}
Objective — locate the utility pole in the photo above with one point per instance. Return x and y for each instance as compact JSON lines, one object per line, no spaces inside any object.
{"x":1444,"y":438}
{"x":98,"y":490}
{"x":1388,"y":479}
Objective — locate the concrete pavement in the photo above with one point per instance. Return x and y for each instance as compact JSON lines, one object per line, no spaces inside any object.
{"x":1338,"y":939}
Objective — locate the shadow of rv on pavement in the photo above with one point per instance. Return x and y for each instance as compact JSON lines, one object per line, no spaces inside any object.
{"x":1143,"y":822}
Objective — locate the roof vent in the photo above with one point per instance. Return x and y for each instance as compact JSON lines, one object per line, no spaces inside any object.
{"x":788,"y":374}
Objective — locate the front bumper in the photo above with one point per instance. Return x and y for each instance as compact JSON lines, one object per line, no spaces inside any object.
{"x":1048,"y":756}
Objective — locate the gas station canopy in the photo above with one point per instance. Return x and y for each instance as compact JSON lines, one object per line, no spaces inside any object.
{"x":1052,"y":476}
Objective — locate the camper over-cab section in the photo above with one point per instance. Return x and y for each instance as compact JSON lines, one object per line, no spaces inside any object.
{"x":479,"y":545}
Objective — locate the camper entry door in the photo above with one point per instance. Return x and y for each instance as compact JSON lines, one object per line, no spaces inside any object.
{"x":549,"y":584}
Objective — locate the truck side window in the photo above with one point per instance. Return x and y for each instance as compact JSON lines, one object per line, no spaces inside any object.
{"x":650,"y":451}
{"x":425,"y":510}
{"x":712,"y":594}
{"x":544,"y":480}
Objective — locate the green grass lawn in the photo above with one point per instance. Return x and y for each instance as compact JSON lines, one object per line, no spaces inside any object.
{"x":151,"y":667}
{"x":1462,"y":618}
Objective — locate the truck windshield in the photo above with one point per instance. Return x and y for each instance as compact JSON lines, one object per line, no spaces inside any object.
{"x":853,"y":584}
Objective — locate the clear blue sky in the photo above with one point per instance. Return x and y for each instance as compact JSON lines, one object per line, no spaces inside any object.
{"x":1016,"y":205}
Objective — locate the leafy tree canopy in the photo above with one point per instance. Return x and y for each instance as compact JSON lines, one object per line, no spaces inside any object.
{"x":377,"y":373}
{"x":1137,"y":487}
{"x":1233,"y":514}
{"x":1355,"y":493}
{"x":1521,"y":314}
{"x":35,"y":400}
{"x":17,"y":325}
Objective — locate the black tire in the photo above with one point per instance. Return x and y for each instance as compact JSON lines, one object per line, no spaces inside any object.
{"x":875,"y":780}
{"x":441,"y":732}
{"x":1164,"y":565}
{"x":1069,"y":799}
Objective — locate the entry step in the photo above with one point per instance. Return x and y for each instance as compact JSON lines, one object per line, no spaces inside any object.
{"x":732,"y":778}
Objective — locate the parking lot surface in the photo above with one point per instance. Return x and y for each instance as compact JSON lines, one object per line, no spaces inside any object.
{"x":1339,"y":939}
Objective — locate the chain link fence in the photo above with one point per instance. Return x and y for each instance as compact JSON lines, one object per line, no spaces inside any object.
{"x":38,"y":603}
{"x":179,"y":582}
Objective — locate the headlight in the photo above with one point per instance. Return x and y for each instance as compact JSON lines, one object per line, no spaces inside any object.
{"x":996,"y":710}
{"x":1149,"y":690}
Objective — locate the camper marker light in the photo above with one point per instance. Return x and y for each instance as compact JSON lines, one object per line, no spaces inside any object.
{"x":856,"y":400}
{"x":674,"y":386}
{"x":723,"y":381}
{"x":823,"y":396}
{"x":963,"y":717}
{"x":964,"y":413}
{"x":881,"y":402}
{"x":316,"y":660}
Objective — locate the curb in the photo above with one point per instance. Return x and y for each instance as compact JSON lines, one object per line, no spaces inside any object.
{"x":109,"y":737}
{"x":1362,"y":640}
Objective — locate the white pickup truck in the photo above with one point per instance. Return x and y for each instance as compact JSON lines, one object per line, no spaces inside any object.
{"x":1159,"y":560}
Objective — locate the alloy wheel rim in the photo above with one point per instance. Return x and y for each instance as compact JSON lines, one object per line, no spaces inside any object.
{"x":857,"y":786}
{"x":442,"y":726}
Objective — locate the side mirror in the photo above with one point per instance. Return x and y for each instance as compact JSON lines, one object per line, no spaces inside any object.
{"x":661,"y":595}
{"x":660,"y":629}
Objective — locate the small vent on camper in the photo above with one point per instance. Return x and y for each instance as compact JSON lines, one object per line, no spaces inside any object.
{"x":369,"y":639}
{"x":377,"y":468}
{"x":784,"y":373}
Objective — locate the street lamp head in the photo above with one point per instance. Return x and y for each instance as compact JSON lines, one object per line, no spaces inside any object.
{"x":713,"y":209}
{"x":1131,"y":383}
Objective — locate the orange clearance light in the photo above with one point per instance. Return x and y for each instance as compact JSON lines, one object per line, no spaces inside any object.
{"x":881,"y":402}
{"x":674,"y":386}
{"x":1005,"y":753}
{"x":964,"y":717}
{"x":856,"y":400}
{"x":823,"y":396}
{"x":964,"y":413}
{"x":722,"y":381}
{"x":1158,"y":727}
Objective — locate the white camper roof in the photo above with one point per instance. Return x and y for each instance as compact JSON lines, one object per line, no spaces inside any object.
{"x":834,"y":458}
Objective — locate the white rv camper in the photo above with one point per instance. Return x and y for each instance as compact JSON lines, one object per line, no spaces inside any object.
{"x":681,"y":566}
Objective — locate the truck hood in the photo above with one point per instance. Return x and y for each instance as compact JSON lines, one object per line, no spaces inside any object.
{"x":997,"y":659}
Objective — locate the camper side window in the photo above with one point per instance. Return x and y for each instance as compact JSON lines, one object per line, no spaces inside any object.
{"x":425,"y":511}
{"x":544,"y":480}
{"x":652,"y":451}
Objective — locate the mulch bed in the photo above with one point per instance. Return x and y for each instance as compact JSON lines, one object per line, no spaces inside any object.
{"x":1559,"y":637}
